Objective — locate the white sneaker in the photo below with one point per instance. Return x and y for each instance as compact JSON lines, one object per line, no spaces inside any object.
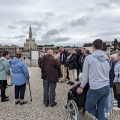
{"x":115,"y":101}
{"x":115,"y":105}
{"x":108,"y":115}
{"x":105,"y":115}
{"x":116,"y":108}
{"x":112,"y":99}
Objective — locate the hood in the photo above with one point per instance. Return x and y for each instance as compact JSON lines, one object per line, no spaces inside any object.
{"x":2,"y":59}
{"x":100,"y":55}
{"x":15,"y":61}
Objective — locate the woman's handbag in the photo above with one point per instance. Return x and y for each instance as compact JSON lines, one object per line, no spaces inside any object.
{"x":117,"y":85}
{"x":9,"y":80}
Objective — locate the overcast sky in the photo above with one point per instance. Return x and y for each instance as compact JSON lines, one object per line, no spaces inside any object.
{"x":59,"y":22}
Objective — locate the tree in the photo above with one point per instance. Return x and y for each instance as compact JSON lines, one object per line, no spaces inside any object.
{"x":116,"y":45}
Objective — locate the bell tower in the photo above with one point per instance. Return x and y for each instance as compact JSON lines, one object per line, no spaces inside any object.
{"x":30,"y":32}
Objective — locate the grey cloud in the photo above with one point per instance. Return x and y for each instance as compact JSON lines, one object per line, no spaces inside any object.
{"x":62,"y":29}
{"x":12,"y":27}
{"x":79,"y":21}
{"x":107,"y":34}
{"x":52,"y":32}
{"x":49,"y":14}
{"x":103,"y":5}
{"x":17,"y":37}
{"x":56,"y":39}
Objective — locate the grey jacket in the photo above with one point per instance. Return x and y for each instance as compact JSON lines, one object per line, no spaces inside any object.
{"x":117,"y":72}
{"x":4,"y":68}
{"x":96,"y":70}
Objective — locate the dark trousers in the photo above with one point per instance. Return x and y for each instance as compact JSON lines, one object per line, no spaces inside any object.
{"x":114,"y":91}
{"x":49,"y":92}
{"x":118,"y":99}
{"x":67,"y":72}
{"x":79,"y":70}
{"x":3,"y":86}
{"x":20,"y":91}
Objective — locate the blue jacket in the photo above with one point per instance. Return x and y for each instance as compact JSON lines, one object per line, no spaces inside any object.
{"x":63,"y":57}
{"x":20,"y":73}
{"x":4,"y":68}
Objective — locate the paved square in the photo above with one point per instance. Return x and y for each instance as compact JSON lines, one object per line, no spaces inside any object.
{"x":36,"y":110}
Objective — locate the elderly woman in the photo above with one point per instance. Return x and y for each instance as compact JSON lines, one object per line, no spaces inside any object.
{"x":20,"y":76}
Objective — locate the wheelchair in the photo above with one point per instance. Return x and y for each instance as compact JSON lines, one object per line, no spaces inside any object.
{"x":76,"y":103}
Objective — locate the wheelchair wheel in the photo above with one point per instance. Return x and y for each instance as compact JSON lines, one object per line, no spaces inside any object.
{"x":72,"y":110}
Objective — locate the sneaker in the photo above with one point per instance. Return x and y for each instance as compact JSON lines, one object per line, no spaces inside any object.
{"x":107,"y":115}
{"x":69,"y":82}
{"x":116,"y":108}
{"x":22,"y":103}
{"x":53,"y":104}
{"x":72,"y":83}
{"x":115,"y":101}
{"x":115,"y":105}
{"x":77,"y":79}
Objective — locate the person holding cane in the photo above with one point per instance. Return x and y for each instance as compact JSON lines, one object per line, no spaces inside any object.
{"x":20,"y":76}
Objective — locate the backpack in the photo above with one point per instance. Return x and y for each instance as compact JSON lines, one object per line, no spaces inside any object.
{"x":80,"y":60}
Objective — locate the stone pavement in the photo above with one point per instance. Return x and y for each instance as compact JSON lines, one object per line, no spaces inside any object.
{"x":36,"y":110}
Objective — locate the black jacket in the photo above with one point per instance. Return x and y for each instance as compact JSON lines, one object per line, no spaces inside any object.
{"x":111,"y":74}
{"x":72,"y":62}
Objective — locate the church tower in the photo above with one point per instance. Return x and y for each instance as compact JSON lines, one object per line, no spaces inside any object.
{"x":30,"y":33}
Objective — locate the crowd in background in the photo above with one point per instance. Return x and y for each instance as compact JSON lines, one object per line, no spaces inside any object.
{"x":61,"y":65}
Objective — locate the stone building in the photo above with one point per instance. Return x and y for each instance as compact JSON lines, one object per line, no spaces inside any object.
{"x":30,"y":42}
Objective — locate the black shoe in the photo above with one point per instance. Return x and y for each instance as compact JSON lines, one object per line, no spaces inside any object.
{"x":68,"y":78}
{"x":65,"y":106}
{"x":46,"y":105}
{"x":69,"y":82}
{"x":77,"y":79}
{"x":72,"y":83}
{"x":53,"y":104}
{"x":5,"y":100}
{"x":24,"y":102}
{"x":6,"y":96}
{"x":17,"y":102}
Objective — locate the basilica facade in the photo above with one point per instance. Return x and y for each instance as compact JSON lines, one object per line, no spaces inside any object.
{"x":30,"y":42}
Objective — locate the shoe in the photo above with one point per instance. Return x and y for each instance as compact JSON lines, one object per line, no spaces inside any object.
{"x":116,"y":108}
{"x":46,"y":105}
{"x":72,"y":83}
{"x":53,"y":104}
{"x":65,"y":106}
{"x":69,"y":82}
{"x":17,"y":102}
{"x":115,"y":105}
{"x":115,"y":101}
{"x":6,"y":96}
{"x":77,"y":79}
{"x":107,"y":115}
{"x":68,"y":78}
{"x":61,"y":81}
{"x":5,"y":100}
{"x":24,"y":102}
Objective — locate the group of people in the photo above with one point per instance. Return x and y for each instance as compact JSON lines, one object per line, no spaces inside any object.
{"x":100,"y":70}
{"x":20,"y":76}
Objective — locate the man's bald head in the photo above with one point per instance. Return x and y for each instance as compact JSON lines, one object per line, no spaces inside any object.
{"x":50,"y":52}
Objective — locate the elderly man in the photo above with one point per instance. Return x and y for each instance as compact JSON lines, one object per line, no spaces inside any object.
{"x":50,"y":68}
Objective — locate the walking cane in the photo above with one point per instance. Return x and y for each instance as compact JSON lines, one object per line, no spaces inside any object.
{"x":30,"y":91}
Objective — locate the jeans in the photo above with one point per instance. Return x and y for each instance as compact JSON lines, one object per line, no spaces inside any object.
{"x":3,"y":87}
{"x":20,"y":90}
{"x":97,"y":98}
{"x":108,"y":102}
{"x":49,"y":91}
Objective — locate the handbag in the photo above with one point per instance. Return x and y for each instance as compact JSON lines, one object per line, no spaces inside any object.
{"x":9,"y":80}
{"x":117,"y":85}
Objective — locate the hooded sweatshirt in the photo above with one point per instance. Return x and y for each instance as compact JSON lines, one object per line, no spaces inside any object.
{"x":96,"y":70}
{"x":4,"y":68}
{"x":20,"y":73}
